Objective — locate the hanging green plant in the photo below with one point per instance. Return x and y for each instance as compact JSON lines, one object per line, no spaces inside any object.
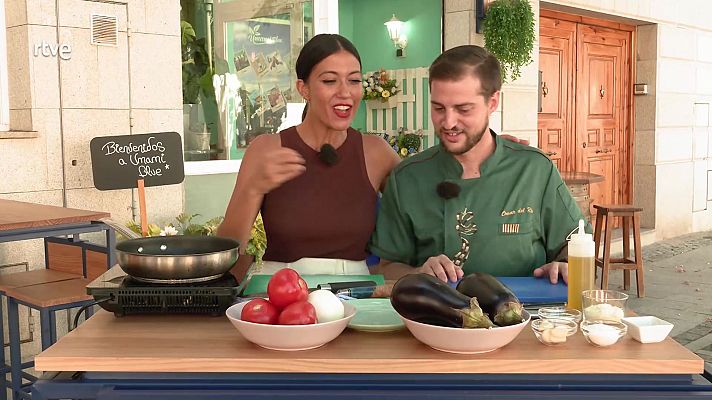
{"x":509,"y":35}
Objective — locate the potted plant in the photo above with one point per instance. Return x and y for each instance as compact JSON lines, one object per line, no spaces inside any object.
{"x":509,"y":35}
{"x":197,"y":80}
{"x":379,"y":90}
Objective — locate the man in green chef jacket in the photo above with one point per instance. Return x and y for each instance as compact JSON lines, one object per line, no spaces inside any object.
{"x":475,"y":202}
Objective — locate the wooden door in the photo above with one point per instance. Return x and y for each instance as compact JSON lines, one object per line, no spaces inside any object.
{"x":586,"y":101}
{"x":556,"y":63}
{"x":602,"y":90}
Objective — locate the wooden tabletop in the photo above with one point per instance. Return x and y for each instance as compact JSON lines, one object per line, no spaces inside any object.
{"x":168,"y":343}
{"x":21,"y":215}
{"x":581,"y":177}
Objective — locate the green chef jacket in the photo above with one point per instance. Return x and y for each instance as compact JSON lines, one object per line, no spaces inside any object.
{"x":523,"y":211}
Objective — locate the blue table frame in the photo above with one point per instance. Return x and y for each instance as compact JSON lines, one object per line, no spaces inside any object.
{"x":40,"y":232}
{"x":216,"y":386}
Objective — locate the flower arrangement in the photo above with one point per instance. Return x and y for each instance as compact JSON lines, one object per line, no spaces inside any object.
{"x":184,"y":225}
{"x":379,"y":86}
{"x":404,"y":143}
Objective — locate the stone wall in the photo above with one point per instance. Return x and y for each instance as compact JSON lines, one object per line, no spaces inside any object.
{"x":133,"y":87}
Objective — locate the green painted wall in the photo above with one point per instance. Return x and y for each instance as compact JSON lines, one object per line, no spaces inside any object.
{"x":208,"y":195}
{"x":362,"y":22}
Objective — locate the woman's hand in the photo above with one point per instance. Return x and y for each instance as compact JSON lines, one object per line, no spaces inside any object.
{"x":278,"y":166}
{"x":515,"y":139}
{"x":442,"y":268}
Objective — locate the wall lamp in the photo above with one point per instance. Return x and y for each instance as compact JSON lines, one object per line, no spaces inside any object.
{"x":395,"y":32}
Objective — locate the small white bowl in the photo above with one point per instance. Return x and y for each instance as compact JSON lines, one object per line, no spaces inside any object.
{"x":648,"y":329}
{"x":289,"y":337}
{"x":465,"y":341}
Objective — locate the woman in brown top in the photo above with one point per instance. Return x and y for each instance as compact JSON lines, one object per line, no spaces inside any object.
{"x":317,"y":183}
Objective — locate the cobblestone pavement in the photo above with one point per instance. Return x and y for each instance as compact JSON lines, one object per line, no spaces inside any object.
{"x":672,"y":247}
{"x":678,"y":288}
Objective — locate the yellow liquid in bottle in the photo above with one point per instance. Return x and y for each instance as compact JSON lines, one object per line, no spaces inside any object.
{"x":581,"y":277}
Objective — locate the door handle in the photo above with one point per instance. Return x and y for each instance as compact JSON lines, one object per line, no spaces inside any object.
{"x":603,"y":151}
{"x":550,"y":153}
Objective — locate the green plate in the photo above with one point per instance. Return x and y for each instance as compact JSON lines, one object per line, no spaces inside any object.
{"x":375,"y":315}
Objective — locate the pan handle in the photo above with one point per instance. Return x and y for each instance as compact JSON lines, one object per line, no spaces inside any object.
{"x":120,"y":228}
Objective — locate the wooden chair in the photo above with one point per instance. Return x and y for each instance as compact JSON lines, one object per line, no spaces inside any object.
{"x":630,"y":215}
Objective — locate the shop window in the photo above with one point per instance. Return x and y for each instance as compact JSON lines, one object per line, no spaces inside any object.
{"x":254,"y":45}
{"x":4,"y":101}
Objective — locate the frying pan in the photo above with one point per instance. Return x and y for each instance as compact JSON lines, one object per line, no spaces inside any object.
{"x":177,"y":259}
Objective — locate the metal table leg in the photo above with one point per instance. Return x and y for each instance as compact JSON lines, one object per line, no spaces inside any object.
{"x":46,"y":327}
{"x":13,"y":322}
{"x":4,"y":368}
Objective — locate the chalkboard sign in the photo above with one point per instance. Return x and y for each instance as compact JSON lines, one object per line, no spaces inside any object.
{"x":118,"y":162}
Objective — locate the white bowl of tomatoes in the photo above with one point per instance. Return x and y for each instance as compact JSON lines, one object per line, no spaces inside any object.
{"x":290,"y":318}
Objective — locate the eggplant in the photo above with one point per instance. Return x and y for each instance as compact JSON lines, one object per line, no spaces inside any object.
{"x":496,"y":300}
{"x":424,"y":298}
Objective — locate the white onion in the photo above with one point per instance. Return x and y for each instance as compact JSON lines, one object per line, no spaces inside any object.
{"x":328,"y":307}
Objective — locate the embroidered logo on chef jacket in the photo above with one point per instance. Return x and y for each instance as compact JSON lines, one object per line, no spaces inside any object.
{"x":465,"y":228}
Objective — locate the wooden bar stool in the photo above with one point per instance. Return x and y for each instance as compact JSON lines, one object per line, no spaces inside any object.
{"x":629,"y":215}
{"x":47,"y":298}
{"x":71,"y":265}
{"x":17,"y":280}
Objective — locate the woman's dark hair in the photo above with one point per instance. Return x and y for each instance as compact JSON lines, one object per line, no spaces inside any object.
{"x":454,"y":63}
{"x":318,"y":48}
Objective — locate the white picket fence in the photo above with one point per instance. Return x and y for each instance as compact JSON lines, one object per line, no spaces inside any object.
{"x":413,"y":106}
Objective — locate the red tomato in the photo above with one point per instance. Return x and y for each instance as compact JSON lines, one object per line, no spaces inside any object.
{"x":299,"y":313}
{"x":260,"y":311}
{"x":286,"y":287}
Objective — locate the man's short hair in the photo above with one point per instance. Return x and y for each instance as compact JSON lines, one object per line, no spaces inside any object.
{"x":455,"y":63}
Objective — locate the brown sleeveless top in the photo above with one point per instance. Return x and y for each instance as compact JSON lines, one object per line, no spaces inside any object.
{"x":327,"y":212}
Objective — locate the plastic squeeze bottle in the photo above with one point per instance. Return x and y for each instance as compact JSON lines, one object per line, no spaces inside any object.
{"x":581,"y":265}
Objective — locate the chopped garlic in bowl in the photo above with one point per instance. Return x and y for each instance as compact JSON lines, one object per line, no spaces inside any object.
{"x":553,"y":331}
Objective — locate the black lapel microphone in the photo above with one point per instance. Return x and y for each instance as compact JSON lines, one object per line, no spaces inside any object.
{"x":448,"y":190}
{"x":328,"y":154}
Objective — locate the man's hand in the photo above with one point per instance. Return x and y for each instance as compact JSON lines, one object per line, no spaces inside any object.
{"x":552,"y":270}
{"x":515,"y":139}
{"x":441,"y":267}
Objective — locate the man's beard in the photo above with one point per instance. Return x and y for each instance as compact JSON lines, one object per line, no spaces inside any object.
{"x":470,"y":141}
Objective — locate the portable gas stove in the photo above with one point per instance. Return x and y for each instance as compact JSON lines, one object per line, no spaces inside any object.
{"x":121,"y":294}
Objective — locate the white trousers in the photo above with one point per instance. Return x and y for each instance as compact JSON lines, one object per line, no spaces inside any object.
{"x":313,"y":266}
